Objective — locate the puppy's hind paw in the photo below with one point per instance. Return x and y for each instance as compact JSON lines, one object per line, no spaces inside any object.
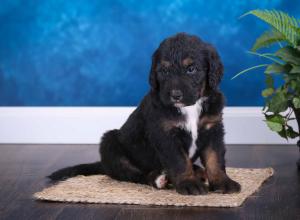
{"x":161,"y":181}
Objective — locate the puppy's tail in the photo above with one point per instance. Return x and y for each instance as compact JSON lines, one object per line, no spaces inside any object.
{"x":81,"y":169}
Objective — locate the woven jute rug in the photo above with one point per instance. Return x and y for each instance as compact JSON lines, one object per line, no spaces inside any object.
{"x":102,"y":189}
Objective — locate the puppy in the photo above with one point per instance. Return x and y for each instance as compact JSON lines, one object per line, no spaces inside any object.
{"x":177,"y":122}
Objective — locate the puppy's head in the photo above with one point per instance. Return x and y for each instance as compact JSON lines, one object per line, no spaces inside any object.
{"x":183,"y":69}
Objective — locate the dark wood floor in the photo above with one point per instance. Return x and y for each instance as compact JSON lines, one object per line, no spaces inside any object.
{"x":23,"y":169}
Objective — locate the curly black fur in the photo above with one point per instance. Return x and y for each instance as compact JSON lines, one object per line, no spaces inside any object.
{"x":153,"y":139}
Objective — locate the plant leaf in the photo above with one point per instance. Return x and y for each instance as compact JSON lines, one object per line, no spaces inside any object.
{"x":278,"y":103}
{"x":291,"y":133}
{"x":269,"y":81}
{"x":248,"y":69}
{"x":293,"y":84}
{"x":282,"y":22}
{"x":269,"y":56}
{"x":295,"y":69}
{"x":267,"y":39}
{"x":277,"y":118}
{"x":274,"y":126}
{"x":289,"y":55}
{"x":277,"y":68}
{"x":283,"y":133}
{"x":267,"y":92}
{"x":296,"y":102}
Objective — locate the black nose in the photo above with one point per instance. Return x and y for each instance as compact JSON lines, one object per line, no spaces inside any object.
{"x":176,"y":95}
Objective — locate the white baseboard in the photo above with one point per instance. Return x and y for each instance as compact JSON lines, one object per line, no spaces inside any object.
{"x":85,"y":125}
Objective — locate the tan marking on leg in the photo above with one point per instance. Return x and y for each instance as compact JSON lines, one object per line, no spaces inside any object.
{"x":217,"y":178}
{"x":188,"y":173}
{"x":213,"y":168}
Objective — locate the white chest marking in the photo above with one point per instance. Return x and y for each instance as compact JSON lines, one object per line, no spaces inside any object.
{"x":192,"y":114}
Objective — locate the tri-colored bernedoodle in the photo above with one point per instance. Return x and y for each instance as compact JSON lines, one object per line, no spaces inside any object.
{"x":177,"y":122}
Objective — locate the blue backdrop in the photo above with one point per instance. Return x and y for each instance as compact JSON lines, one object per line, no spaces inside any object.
{"x":97,"y":53}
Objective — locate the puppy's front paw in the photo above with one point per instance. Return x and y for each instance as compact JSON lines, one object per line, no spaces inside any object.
{"x":226,"y":186}
{"x":191,"y":187}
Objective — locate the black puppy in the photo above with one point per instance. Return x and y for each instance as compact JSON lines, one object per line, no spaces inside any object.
{"x":177,"y":122}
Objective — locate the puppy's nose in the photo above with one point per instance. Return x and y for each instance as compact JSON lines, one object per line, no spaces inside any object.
{"x":176,"y":95}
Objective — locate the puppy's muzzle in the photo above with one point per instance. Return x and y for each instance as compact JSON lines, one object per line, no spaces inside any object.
{"x":176,"y":95}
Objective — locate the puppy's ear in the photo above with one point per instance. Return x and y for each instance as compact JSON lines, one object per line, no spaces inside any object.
{"x":153,"y":75}
{"x":215,"y":67}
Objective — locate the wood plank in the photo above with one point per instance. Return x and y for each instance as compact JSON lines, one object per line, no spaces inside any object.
{"x":23,"y":169}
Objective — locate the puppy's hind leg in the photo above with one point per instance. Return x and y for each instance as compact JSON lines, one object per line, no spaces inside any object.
{"x":115,"y":162}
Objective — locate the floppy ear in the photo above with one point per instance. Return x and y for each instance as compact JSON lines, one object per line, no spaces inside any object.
{"x":153,"y":75}
{"x":215,"y":67}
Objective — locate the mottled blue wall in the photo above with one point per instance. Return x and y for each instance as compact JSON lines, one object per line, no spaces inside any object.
{"x":97,"y":53}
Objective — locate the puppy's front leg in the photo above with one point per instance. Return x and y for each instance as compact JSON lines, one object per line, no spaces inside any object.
{"x":179,"y":167}
{"x":213,"y":161}
{"x":187,"y":182}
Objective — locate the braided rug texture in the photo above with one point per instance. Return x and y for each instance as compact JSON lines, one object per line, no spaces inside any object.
{"x":103,"y":189}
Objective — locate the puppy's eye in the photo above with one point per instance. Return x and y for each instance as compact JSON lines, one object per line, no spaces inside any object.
{"x":191,"y":70}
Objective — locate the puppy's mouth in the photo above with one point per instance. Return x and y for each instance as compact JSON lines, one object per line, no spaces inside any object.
{"x":179,"y":104}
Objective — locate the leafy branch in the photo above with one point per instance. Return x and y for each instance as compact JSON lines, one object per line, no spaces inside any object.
{"x":282,"y":104}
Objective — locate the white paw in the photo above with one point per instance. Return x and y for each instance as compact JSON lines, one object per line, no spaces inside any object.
{"x":161,"y":181}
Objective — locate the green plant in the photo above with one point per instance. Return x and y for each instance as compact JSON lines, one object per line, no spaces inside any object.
{"x":283,"y":100}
